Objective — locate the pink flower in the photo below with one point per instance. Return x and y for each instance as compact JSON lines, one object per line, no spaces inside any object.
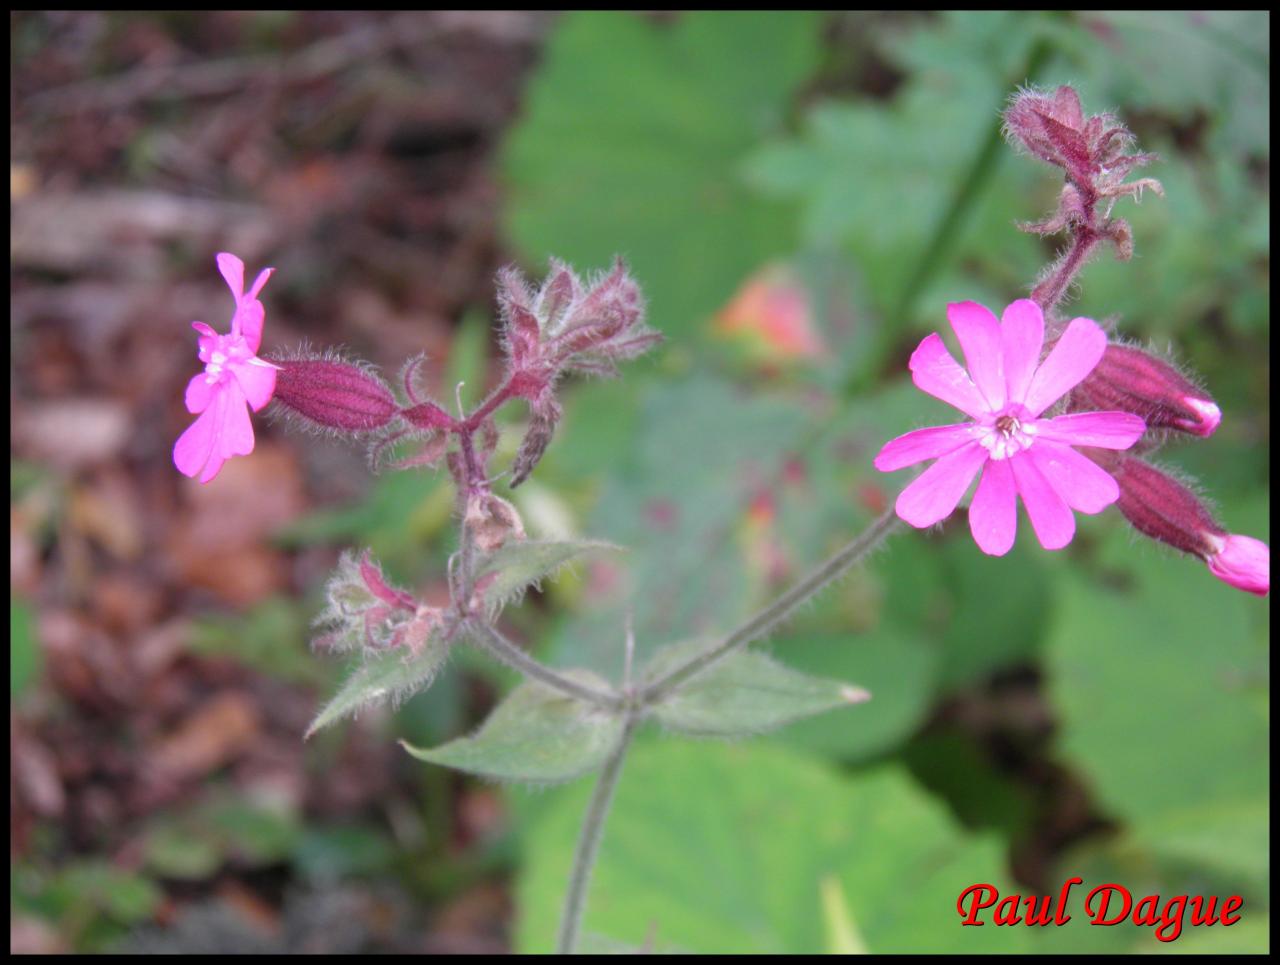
{"x":233,"y":376}
{"x":1243,"y":562}
{"x":1019,"y":453}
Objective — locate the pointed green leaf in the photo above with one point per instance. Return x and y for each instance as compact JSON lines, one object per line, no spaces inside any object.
{"x":536,"y":734}
{"x":745,"y":693}
{"x":518,"y":564}
{"x":396,"y":674}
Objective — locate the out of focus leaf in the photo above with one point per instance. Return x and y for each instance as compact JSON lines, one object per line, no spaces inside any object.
{"x":517,"y":564}
{"x":330,"y":853}
{"x":724,"y":849}
{"x":744,"y":693}
{"x":270,"y":638}
{"x":24,"y":651}
{"x":385,"y":676}
{"x":704,"y":449}
{"x":1166,"y":661}
{"x":1182,"y":62}
{"x":535,"y":734}
{"x":622,"y":112}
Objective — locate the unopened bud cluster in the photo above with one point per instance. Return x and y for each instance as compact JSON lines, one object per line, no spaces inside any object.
{"x":365,"y":612}
{"x":565,"y":326}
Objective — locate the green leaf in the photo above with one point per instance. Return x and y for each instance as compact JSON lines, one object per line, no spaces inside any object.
{"x":330,"y":853}
{"x":24,"y":651}
{"x":687,"y":479}
{"x":1161,"y":685}
{"x":535,"y":734}
{"x":623,"y":111}
{"x":518,"y":564}
{"x":393,"y":675}
{"x":729,"y":848}
{"x":744,"y":693}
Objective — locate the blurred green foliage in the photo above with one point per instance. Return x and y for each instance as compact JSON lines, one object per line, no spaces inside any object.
{"x":703,"y":147}
{"x":1155,"y":674}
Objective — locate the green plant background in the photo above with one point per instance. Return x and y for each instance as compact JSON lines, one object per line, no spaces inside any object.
{"x":855,"y":150}
{"x":1155,"y":676}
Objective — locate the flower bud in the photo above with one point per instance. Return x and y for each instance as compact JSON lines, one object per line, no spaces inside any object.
{"x":1091,"y":150}
{"x":1131,"y":380}
{"x":332,"y":394}
{"x":427,"y":415}
{"x":1244,"y":562}
{"x":521,"y":332}
{"x":542,"y":425}
{"x":364,"y":610}
{"x":1159,"y":506}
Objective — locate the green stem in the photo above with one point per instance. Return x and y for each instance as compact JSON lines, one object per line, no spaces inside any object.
{"x":584,"y":856}
{"x":763,"y":623}
{"x":503,"y":650}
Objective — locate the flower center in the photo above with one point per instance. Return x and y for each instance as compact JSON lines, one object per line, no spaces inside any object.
{"x":224,"y":349}
{"x":1008,"y":433}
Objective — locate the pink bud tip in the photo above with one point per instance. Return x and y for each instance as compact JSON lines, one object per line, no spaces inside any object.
{"x":1243,"y":562}
{"x":1210,"y":416}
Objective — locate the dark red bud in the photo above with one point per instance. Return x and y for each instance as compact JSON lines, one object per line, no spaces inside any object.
{"x":1159,"y":506}
{"x":427,"y":415}
{"x":334,"y":394}
{"x":1131,"y":380}
{"x":542,"y":427}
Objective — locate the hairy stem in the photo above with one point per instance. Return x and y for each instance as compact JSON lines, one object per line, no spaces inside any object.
{"x":1084,"y":238}
{"x":584,"y":856}
{"x":505,"y":651}
{"x":766,"y":620}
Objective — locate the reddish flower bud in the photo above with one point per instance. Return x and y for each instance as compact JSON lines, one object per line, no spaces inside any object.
{"x":521,"y":331}
{"x":1091,"y":150}
{"x":1132,"y":380}
{"x":1159,"y":506}
{"x":542,"y":426}
{"x":559,"y":293}
{"x":371,"y":573}
{"x":332,"y":394}
{"x":427,"y":415}
{"x":364,"y":610}
{"x":613,"y":304}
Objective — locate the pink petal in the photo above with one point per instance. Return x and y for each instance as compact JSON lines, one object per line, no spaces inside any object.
{"x":236,"y":431}
{"x":247,"y":323}
{"x":1086,"y":486}
{"x":1073,"y":358}
{"x":934,"y":494}
{"x":258,"y":282}
{"x":922,"y":444}
{"x":232,"y":269}
{"x":204,"y":329}
{"x":194,"y":447}
{"x":1023,"y":338}
{"x":934,"y":371}
{"x":1243,"y":562}
{"x":1050,"y":515}
{"x":257,"y":382}
{"x":979,"y":333}
{"x":199,"y":393}
{"x":993,"y":514}
{"x":1105,"y":430}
